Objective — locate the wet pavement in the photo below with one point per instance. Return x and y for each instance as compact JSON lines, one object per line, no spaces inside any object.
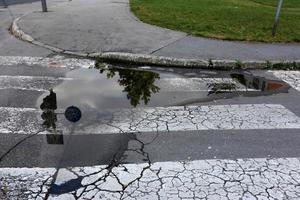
{"x":106,"y":131}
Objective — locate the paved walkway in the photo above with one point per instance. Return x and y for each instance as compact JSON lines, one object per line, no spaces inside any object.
{"x":96,"y":26}
{"x":11,"y":46}
{"x":108,"y":26}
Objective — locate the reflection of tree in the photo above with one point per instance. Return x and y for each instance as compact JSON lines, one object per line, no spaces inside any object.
{"x":216,"y":88}
{"x":139,"y":85}
{"x":240,"y":78}
{"x":250,"y":81}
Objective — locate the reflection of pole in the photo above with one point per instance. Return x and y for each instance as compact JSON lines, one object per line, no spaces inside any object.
{"x":280,"y":2}
{"x":4,"y":4}
{"x":44,"y":5}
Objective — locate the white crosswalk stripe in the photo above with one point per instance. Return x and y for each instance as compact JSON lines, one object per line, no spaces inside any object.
{"x":199,"y":84}
{"x":189,"y":118}
{"x":25,"y":183}
{"x":163,"y":119}
{"x":44,"y":83}
{"x":256,"y":178}
{"x":291,"y":77}
{"x":38,"y":83}
{"x":56,"y":61}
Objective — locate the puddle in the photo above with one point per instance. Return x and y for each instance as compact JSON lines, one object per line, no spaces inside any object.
{"x":113,"y":88}
{"x":138,"y":85}
{"x":72,"y":111}
{"x":93,"y":94}
{"x":260,"y":83}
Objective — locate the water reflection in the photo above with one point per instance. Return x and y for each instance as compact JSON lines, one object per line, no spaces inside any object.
{"x":48,"y":106}
{"x":217,"y":88}
{"x":139,"y":85}
{"x":259,"y":83}
{"x":55,"y":138}
{"x":248,"y":82}
{"x":73,"y":114}
{"x":246,"y":85}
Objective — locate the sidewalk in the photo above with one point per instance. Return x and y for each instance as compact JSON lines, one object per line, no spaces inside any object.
{"x":11,"y":46}
{"x":89,"y":26}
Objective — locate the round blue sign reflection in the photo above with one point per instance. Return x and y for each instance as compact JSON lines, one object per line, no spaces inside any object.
{"x":73,"y":114}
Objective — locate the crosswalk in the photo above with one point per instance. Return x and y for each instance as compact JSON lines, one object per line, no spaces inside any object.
{"x":30,"y":83}
{"x":208,"y":179}
{"x":162,"y":119}
{"x":291,"y":77}
{"x":56,"y":61}
{"x":129,"y":134}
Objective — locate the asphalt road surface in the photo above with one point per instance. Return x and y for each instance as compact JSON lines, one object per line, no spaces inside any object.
{"x":146,"y":133}
{"x":149,"y":134}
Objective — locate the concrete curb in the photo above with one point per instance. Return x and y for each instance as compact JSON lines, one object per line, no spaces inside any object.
{"x":157,"y":60}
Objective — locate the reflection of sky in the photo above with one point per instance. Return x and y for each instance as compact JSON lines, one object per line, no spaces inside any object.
{"x":96,"y":95}
{"x":92,"y":90}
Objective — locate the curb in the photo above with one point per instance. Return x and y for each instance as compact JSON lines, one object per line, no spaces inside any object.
{"x":144,"y":59}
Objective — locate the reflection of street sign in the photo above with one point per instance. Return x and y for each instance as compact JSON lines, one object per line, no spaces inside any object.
{"x":56,"y":138}
{"x":4,"y":4}
{"x":44,"y":6}
{"x":73,"y":114}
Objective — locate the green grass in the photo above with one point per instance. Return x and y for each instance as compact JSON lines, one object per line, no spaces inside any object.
{"x":286,"y":3}
{"x":249,"y":20}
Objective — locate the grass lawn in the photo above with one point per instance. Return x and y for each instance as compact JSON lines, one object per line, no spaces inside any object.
{"x":249,"y":20}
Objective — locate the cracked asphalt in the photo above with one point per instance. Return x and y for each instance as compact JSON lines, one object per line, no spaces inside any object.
{"x":149,"y":133}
